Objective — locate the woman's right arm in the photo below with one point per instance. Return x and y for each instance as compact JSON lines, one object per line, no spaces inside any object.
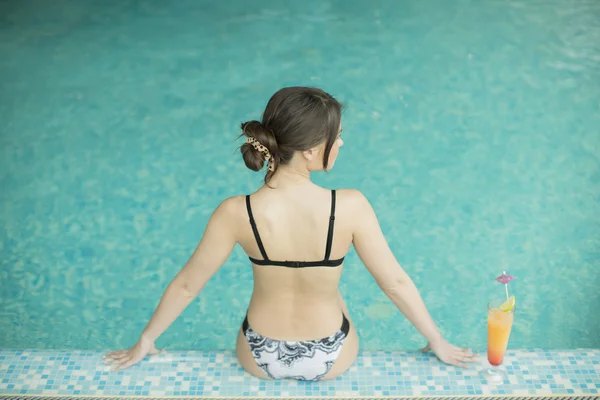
{"x":374,"y":251}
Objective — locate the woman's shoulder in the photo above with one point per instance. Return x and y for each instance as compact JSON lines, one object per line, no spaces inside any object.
{"x":351,"y":200}
{"x":231,"y":206}
{"x":354,"y":206}
{"x":352,"y":197}
{"x":232,"y":201}
{"x":349,"y":193}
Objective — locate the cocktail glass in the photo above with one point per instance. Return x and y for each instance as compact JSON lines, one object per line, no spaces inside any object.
{"x":499,"y":326}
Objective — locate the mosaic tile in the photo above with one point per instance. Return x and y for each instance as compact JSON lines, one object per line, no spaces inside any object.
{"x":218,"y":374}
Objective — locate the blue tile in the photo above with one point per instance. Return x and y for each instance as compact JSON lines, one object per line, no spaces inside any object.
{"x":417,"y":373}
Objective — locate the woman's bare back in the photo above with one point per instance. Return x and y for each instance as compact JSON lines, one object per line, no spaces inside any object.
{"x":297,"y":304}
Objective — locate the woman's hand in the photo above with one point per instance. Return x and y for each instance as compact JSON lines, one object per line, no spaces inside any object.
{"x":450,"y":354}
{"x":126,"y":358}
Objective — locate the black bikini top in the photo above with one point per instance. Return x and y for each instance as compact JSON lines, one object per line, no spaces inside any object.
{"x":326,"y":262}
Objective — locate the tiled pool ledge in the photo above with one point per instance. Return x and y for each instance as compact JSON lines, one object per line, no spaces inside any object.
{"x":531,"y":373}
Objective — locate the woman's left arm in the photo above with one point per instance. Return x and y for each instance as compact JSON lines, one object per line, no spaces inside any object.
{"x":213,"y":250}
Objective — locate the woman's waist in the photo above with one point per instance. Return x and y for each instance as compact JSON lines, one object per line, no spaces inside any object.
{"x":292,"y":322}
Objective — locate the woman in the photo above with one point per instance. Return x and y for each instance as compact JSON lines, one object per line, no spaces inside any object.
{"x":296,"y":235}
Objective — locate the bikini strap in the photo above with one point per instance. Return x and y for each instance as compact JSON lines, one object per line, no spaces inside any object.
{"x":331,"y":223}
{"x":255,"y":229}
{"x":246,"y":325}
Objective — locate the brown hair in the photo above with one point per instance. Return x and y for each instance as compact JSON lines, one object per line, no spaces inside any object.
{"x":295,"y":119}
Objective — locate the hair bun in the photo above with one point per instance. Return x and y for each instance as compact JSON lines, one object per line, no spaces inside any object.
{"x":295,"y":119}
{"x":253,"y":157}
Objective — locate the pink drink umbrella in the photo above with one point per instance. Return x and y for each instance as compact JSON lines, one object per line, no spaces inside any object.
{"x":505,"y":279}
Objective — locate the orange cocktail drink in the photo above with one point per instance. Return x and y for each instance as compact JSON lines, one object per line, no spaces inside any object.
{"x":499,"y":326}
{"x":501,"y":314}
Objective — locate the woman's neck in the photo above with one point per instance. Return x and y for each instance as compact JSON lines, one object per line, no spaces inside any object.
{"x":290,"y":175}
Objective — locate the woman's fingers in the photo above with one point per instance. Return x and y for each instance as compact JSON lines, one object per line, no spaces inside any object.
{"x":119,"y":356}
{"x":466,"y":355}
{"x":459,"y":361}
{"x":461,"y":356}
{"x":114,"y":354}
{"x":128,"y":363}
{"x":470,"y":355}
{"x":115,"y":361}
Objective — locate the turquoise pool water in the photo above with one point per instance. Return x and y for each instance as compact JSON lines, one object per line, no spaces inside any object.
{"x":473,"y":127}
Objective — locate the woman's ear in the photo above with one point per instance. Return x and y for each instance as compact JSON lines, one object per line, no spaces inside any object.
{"x":309,"y":154}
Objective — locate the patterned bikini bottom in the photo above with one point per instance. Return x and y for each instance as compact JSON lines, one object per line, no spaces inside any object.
{"x":307,"y":360}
